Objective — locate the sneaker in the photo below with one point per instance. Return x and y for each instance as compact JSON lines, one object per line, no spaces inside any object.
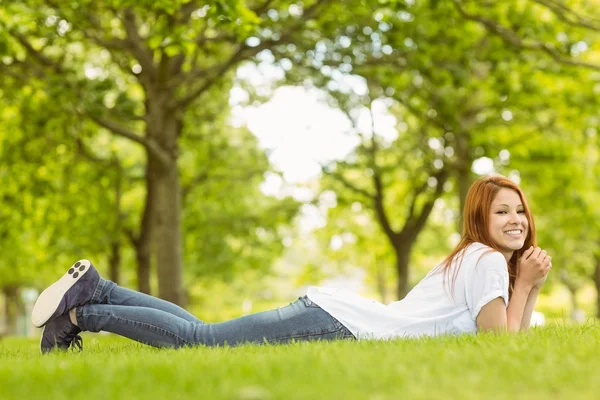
{"x":60,"y":333}
{"x":74,"y":289}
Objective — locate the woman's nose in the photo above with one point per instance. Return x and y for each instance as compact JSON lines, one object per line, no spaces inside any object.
{"x":514,"y":218}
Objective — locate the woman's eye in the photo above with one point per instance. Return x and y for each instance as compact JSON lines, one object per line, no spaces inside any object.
{"x":501,"y":212}
{"x":521,"y":212}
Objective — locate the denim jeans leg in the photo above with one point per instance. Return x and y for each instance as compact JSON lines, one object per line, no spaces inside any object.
{"x":295,"y":322}
{"x":302,"y":320}
{"x":143,"y":324}
{"x":110,"y":293}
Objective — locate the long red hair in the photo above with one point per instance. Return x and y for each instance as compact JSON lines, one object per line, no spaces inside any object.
{"x":476,"y":217}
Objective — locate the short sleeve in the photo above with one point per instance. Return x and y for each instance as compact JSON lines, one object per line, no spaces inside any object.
{"x":488,"y":280}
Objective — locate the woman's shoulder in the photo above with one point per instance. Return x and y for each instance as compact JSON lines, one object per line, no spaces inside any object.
{"x":477,"y":253}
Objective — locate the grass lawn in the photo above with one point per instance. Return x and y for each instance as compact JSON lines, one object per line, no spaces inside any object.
{"x":545,"y":363}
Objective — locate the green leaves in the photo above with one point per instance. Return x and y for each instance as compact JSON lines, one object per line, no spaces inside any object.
{"x":456,"y":89}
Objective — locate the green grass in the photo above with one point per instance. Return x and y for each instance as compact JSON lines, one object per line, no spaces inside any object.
{"x":546,"y":363}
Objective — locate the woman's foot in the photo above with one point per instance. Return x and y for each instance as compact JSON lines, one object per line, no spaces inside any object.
{"x":74,"y":289}
{"x":60,"y":333}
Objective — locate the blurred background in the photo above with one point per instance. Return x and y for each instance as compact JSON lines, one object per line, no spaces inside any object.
{"x":225,"y":155}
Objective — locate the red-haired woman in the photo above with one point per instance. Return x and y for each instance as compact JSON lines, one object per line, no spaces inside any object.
{"x":489,"y":282}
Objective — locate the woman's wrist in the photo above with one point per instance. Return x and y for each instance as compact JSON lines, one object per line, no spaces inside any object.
{"x":536,"y":288}
{"x":524,"y":287}
{"x":516,"y":305}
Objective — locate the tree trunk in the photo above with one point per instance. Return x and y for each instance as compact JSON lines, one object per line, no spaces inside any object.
{"x":597,"y":284}
{"x":402,"y":251}
{"x":142,"y":256}
{"x":464,"y":182}
{"x":163,"y":128}
{"x":463,"y":172}
{"x":115,"y":262}
{"x":403,"y":242}
{"x":143,"y":242}
{"x":380,"y":280}
{"x":11,"y":309}
{"x":115,"y":246}
{"x":169,"y":237}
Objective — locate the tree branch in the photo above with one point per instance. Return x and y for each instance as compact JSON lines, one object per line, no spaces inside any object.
{"x":373,"y":149}
{"x":136,"y":44}
{"x":511,"y":37}
{"x":37,"y":54}
{"x":151,"y":146}
{"x":378,"y":199}
{"x":416,"y":224}
{"x":217,"y":74}
{"x":186,"y":11}
{"x":340,"y":178}
{"x":92,"y":34}
{"x":88,"y":154}
{"x":201,"y":40}
{"x":22,"y":71}
{"x":261,"y":8}
{"x":131,"y":236}
{"x":422,"y":116}
{"x":568,"y":15}
{"x":242,"y":52}
{"x":92,"y":30}
{"x":110,"y":44}
{"x":413,"y":203}
{"x":182,"y":18}
{"x":380,"y":212}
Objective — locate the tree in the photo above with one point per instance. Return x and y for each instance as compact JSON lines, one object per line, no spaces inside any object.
{"x":173,"y":51}
{"x":46,"y":196}
{"x":423,"y":184}
{"x":454,"y":103}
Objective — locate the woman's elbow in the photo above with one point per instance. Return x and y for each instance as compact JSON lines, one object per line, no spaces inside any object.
{"x":493,"y":318}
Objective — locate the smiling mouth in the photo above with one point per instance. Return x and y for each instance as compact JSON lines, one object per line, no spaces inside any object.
{"x":514,"y":232}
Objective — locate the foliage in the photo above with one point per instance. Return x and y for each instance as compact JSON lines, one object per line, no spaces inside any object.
{"x":457,"y":92}
{"x":78,"y":67}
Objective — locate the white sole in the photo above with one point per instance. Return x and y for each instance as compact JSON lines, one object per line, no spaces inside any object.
{"x":48,"y":301}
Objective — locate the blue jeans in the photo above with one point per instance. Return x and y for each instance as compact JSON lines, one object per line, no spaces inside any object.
{"x":159,"y":323}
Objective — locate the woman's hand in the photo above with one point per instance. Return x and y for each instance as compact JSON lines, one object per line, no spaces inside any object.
{"x":533,"y":267}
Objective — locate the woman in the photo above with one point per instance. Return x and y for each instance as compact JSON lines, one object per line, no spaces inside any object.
{"x":489,"y":282}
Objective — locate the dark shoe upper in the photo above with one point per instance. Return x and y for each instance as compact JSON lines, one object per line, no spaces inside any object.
{"x":81,"y":292}
{"x":60,"y":333}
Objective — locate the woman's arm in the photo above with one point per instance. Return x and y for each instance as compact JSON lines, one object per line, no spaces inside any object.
{"x":526,"y":321}
{"x":495,"y":316}
{"x":540,"y":258}
{"x":531,"y":274}
{"x":517,"y":306}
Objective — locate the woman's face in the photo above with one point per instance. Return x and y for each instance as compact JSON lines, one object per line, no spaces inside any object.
{"x":508,"y":223}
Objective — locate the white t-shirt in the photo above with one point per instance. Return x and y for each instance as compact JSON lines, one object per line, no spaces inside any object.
{"x":428,"y":309}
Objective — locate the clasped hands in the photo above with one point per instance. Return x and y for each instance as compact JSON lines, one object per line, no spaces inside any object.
{"x":533,"y":267}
